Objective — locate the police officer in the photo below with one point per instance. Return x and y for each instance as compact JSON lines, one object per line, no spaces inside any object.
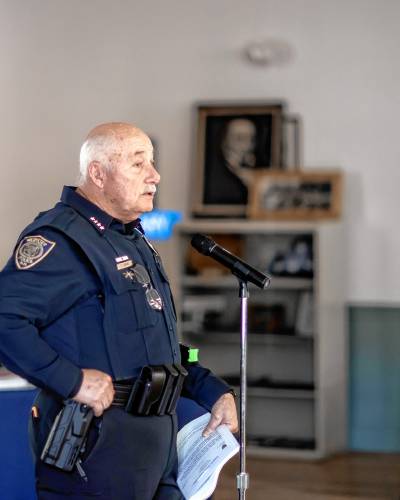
{"x":85,"y":304}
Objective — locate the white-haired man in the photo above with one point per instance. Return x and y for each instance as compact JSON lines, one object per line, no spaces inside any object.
{"x":85,"y":305}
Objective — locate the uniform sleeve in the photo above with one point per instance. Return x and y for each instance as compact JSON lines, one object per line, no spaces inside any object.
{"x":37,"y":286}
{"x":203,"y":386}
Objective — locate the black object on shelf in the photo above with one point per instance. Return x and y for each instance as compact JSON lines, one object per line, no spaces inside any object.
{"x":262,"y":320}
{"x":297,"y":261}
{"x":282,"y":442}
{"x":215,"y":321}
{"x":270,"y":383}
{"x":267,"y":319}
{"x":282,"y":384}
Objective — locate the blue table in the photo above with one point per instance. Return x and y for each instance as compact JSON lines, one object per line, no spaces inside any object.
{"x":16,"y":466}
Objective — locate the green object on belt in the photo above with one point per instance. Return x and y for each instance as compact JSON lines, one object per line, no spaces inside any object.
{"x":193,"y":355}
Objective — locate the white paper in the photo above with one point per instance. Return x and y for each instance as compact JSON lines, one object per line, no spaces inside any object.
{"x":201,"y":459}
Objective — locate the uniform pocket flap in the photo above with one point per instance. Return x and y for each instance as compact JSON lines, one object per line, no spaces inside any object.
{"x":122,"y":283}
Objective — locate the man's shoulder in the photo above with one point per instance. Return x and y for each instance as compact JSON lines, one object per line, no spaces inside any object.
{"x":58,"y":218}
{"x":49,"y":241}
{"x":45,"y":235}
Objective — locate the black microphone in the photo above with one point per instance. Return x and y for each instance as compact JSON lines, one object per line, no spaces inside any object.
{"x":243,"y":271}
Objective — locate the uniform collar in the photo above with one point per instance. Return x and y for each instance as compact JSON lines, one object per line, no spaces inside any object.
{"x":99,"y":219}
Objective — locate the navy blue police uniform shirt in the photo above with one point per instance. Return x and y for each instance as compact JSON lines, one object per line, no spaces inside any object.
{"x":67,"y":302}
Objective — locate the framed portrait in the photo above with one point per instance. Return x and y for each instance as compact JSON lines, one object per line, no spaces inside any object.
{"x":292,"y":140}
{"x":234,"y":141}
{"x":298,"y":195}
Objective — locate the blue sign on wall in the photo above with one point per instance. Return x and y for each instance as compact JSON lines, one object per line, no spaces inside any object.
{"x":158,"y":224}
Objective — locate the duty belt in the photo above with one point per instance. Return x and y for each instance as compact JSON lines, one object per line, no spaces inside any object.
{"x":155,"y":392}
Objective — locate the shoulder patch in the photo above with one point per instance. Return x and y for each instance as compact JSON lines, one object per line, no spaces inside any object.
{"x":31,"y":250}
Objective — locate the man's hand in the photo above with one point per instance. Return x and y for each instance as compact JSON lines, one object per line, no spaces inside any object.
{"x":96,"y":390}
{"x":223,"y":412}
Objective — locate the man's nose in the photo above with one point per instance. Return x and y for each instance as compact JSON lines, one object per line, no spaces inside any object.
{"x":157,"y":176}
{"x":152,"y":174}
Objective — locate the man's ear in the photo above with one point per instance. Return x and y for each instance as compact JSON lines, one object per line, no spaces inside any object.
{"x":96,"y":173}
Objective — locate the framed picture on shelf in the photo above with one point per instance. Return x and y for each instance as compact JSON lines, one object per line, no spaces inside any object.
{"x":234,"y":141}
{"x":297,"y":195}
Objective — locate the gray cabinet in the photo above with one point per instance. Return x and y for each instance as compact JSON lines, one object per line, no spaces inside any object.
{"x":296,"y":345}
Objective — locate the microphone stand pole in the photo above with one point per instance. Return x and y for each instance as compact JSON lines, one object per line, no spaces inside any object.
{"x":242,"y":478}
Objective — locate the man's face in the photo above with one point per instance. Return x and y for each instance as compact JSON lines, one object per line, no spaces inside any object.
{"x":130,"y":182}
{"x":240,"y":136}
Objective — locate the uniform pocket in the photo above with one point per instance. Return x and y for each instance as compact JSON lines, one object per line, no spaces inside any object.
{"x":131,"y":310}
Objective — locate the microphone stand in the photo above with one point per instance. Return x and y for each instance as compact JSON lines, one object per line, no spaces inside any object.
{"x":242,"y":478}
{"x":244,"y":273}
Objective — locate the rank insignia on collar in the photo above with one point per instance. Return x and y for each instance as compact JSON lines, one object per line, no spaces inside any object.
{"x":31,"y":250}
{"x":97,"y":223}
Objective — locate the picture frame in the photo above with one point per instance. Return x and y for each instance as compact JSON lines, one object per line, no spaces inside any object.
{"x":234,"y":141}
{"x":298,"y":195}
{"x":292,"y":140}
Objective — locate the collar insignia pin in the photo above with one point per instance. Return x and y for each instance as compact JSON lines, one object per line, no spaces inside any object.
{"x":97,"y":223}
{"x":129,"y":275}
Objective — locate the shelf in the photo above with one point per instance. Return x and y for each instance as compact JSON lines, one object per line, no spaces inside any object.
{"x":271,"y":393}
{"x":221,"y":282}
{"x":253,"y":338}
{"x":245,"y":226}
{"x":290,"y":375}
{"x":261,"y":451}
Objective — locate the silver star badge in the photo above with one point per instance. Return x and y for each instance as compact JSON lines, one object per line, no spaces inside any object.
{"x":129,"y":275}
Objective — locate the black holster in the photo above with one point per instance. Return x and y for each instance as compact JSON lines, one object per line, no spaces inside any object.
{"x":66,"y":439}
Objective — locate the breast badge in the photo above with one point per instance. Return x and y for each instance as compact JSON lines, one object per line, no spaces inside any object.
{"x":31,"y":250}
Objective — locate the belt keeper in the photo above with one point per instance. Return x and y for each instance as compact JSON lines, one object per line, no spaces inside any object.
{"x":170,"y":382}
{"x":132,"y":397}
{"x":176,"y":392}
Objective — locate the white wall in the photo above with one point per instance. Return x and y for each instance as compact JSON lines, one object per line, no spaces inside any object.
{"x":68,"y":65}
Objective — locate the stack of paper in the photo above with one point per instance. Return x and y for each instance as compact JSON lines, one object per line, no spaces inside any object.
{"x":201,"y":459}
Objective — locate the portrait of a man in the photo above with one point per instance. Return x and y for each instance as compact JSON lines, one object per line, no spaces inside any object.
{"x":234,"y":142}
